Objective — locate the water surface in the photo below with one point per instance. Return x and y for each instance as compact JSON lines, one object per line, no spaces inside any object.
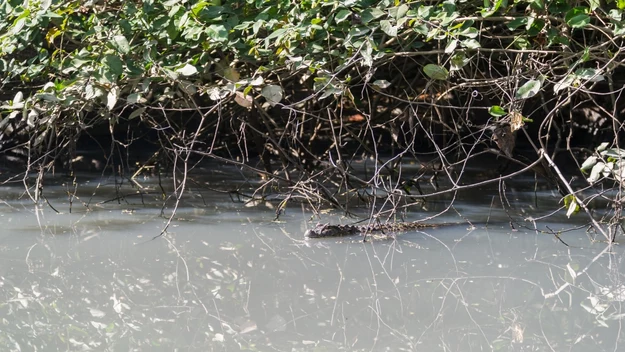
{"x":227,"y":277}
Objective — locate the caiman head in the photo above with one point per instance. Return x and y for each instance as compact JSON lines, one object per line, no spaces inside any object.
{"x":325,"y":230}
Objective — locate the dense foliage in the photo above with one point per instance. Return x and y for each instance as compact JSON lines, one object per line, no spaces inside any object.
{"x":299,"y":83}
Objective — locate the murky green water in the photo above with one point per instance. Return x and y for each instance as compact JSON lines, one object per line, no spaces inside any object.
{"x":226,"y":277}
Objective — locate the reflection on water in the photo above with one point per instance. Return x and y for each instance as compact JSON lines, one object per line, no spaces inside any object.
{"x":227,"y":278}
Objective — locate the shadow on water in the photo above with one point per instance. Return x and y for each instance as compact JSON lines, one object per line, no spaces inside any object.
{"x":227,"y":278}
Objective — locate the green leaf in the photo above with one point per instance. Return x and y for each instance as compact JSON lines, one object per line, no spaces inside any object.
{"x":535,"y":28}
{"x":577,"y":17}
{"x":366,"y":52}
{"x":470,"y":32}
{"x":187,"y":70}
{"x":538,"y":5}
{"x":370,"y":14}
{"x":211,"y":13}
{"x":18,"y":25}
{"x":615,"y":14}
{"x":342,"y":15}
{"x":554,"y":37}
{"x":572,"y":206}
{"x":517,"y":22}
{"x":529,"y":89}
{"x":382,"y":84}
{"x":198,"y":7}
{"x":19,"y":98}
{"x":487,"y":12}
{"x":388,"y":28}
{"x":470,"y":44}
{"x":614,"y":153}
{"x":217,"y":32}
{"x":588,"y":163}
{"x":602,"y":147}
{"x":424,"y":12}
{"x":277,"y":33}
{"x":136,"y":113}
{"x":458,"y":61}
{"x":579,"y":21}
{"x":451,"y":46}
{"x":566,"y":82}
{"x":596,"y":172}
{"x":620,"y":4}
{"x":114,"y":63}
{"x":619,"y":29}
{"x":121,"y":44}
{"x":590,"y":74}
{"x":403,"y":9}
{"x":89,"y":92}
{"x":497,"y":111}
{"x":111,"y":98}
{"x":358,"y":31}
{"x":272,"y":93}
{"x":436,"y":72}
{"x":257,"y":26}
{"x":522,"y":43}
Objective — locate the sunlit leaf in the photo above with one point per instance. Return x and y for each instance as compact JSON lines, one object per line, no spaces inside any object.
{"x":111,"y":98}
{"x":388,"y":28}
{"x":217,"y":32}
{"x":521,"y":42}
{"x":370,"y":14}
{"x":529,"y":89}
{"x":32,"y":117}
{"x":487,"y":12}
{"x":366,"y":54}
{"x":566,"y":82}
{"x":602,"y":146}
{"x":18,"y":25}
{"x":458,"y":61}
{"x":187,"y":70}
{"x":403,"y":9}
{"x":342,"y":15}
{"x":272,"y":93}
{"x":577,"y":17}
{"x":572,"y":209}
{"x":451,"y":46}
{"x":470,"y":32}
{"x":19,"y":97}
{"x":471,"y":44}
{"x":121,"y":43}
{"x":89,"y":92}
{"x":382,"y":83}
{"x":595,"y":173}
{"x":589,"y":74}
{"x":614,"y":153}
{"x":588,"y":163}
